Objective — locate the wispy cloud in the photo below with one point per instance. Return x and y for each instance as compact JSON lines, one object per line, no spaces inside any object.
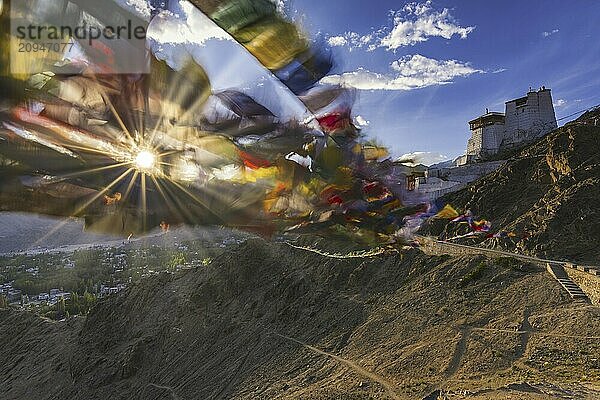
{"x":549,"y":33}
{"x":499,"y":70}
{"x":409,"y":72}
{"x":414,"y":23}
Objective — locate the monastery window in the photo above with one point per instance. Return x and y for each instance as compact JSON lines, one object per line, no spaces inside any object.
{"x":521,"y":102}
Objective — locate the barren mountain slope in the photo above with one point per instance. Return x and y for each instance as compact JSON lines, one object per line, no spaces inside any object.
{"x":265,"y":321}
{"x":550,"y":191}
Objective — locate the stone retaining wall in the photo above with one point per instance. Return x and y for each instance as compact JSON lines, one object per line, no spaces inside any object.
{"x":589,"y":283}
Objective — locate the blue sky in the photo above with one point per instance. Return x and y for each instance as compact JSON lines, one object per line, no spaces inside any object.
{"x":499,"y":49}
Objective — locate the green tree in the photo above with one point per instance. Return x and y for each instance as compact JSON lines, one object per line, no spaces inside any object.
{"x":88,"y":302}
{"x":176,"y":260}
{"x":3,"y":302}
{"x":73,"y":306}
{"x":60,"y":308}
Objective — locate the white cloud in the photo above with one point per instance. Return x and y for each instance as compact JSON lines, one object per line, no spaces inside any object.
{"x":175,"y":34}
{"x":140,"y":7}
{"x":280,"y":5}
{"x":361,"y":121}
{"x":422,"y":157}
{"x":414,"y":23}
{"x":549,"y":33}
{"x":417,"y":22}
{"x":499,"y":70}
{"x":336,"y":41}
{"x":352,"y":40}
{"x":560,"y":103}
{"x":186,"y":27}
{"x":411,"y":72}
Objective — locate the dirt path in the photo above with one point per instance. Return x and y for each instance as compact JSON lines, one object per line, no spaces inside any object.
{"x":389,"y":387}
{"x":168,"y":388}
{"x":484,"y":251}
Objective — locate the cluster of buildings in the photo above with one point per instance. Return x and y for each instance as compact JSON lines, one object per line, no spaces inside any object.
{"x":9,"y":292}
{"x":50,"y":298}
{"x":493,"y":135}
{"x":16,"y":296}
{"x":106,"y":290}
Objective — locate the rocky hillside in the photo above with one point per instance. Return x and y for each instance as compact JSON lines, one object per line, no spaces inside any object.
{"x":266,"y":321}
{"x":549,"y":192}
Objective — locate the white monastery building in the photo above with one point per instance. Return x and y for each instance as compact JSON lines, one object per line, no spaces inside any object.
{"x":525,"y":119}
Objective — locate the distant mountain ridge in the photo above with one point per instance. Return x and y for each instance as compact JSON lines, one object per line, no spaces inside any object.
{"x":21,"y":231}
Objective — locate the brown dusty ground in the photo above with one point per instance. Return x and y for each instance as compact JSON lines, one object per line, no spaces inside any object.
{"x":266,"y":321}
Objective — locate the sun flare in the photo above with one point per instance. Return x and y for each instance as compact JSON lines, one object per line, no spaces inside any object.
{"x":145,"y":160}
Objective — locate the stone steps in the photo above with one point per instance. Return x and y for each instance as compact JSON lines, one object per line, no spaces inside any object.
{"x":558,"y":272}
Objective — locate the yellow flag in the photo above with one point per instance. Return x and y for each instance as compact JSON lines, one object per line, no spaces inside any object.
{"x":448,"y":212}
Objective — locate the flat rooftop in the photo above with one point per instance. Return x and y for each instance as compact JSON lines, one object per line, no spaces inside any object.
{"x":487,"y":119}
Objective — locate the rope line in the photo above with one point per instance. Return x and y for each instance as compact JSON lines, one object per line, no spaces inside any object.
{"x":355,"y":254}
{"x":579,"y":112}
